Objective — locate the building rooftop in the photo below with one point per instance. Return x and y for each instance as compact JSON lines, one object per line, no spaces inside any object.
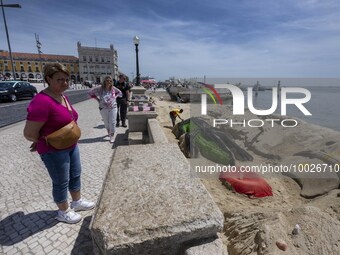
{"x":35,"y":56}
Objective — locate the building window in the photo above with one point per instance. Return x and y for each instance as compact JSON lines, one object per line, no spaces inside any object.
{"x":90,"y":58}
{"x":84,"y":58}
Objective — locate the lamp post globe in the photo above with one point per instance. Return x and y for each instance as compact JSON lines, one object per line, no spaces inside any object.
{"x":136,"y":43}
{"x":136,"y":40}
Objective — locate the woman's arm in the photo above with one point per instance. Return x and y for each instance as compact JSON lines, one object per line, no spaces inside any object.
{"x":32,"y":130}
{"x":118,"y":93}
{"x":94,"y":93}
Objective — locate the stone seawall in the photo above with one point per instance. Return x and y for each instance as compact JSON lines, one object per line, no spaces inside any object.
{"x":150,"y":204}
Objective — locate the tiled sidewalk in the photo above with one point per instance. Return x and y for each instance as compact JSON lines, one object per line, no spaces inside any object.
{"x":27,"y":210}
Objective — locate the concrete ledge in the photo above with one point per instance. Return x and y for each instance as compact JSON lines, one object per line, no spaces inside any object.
{"x":156,"y":134}
{"x":138,"y":121}
{"x":138,"y":90}
{"x":150,"y":205}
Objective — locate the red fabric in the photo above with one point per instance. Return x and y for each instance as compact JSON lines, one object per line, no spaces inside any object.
{"x":250,"y":184}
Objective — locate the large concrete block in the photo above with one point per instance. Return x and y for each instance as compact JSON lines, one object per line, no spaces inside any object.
{"x":155,"y":132}
{"x":150,"y":204}
{"x":138,"y":121}
{"x":138,"y":90}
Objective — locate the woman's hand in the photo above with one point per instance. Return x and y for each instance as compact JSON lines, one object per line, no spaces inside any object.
{"x":33,"y":147}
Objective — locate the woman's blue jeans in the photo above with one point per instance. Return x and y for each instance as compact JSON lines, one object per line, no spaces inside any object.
{"x":64,"y":169}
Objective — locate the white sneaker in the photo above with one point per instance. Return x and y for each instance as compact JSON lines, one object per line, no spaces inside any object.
{"x":112,"y":139}
{"x":68,"y":216}
{"x":82,"y":205}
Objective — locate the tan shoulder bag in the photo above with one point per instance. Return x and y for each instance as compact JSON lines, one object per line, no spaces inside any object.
{"x":66,"y":136}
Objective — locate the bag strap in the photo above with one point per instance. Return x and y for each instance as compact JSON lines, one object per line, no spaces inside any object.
{"x":68,"y":107}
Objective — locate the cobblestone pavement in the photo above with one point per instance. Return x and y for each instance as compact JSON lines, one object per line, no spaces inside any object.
{"x":27,"y":210}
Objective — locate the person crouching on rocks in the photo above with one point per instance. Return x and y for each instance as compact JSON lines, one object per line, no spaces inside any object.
{"x":174,"y":114}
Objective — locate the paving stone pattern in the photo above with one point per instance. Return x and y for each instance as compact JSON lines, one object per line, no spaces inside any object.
{"x":27,"y":210}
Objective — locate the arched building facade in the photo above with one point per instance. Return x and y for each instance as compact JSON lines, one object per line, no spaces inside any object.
{"x":29,"y":66}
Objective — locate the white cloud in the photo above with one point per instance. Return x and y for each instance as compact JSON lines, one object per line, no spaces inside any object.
{"x":231,"y":38}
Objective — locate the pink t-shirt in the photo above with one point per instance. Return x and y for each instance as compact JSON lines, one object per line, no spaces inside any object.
{"x":44,"y":108}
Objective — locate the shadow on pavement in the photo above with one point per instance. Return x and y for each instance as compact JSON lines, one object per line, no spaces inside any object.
{"x":100,"y":126}
{"x":94,"y":140}
{"x":121,"y":139}
{"x":83,"y":244}
{"x":18,"y":226}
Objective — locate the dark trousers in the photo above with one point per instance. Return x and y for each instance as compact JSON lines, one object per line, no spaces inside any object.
{"x":122,"y":109}
{"x":173,"y":119}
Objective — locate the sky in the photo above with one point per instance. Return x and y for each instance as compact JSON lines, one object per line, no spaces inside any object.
{"x":188,"y":38}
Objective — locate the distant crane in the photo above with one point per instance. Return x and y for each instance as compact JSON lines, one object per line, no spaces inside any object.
{"x":39,"y":52}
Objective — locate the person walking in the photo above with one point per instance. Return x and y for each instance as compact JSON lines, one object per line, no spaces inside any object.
{"x":174,"y":114}
{"x":122,"y":103}
{"x":49,"y":111}
{"x":106,"y":95}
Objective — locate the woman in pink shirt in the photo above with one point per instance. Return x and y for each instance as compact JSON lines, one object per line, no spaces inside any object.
{"x":48,"y":112}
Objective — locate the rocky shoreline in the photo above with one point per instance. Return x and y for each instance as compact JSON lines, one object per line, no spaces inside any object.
{"x":309,"y":199}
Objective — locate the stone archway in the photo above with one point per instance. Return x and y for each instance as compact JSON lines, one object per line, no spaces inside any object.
{"x":23,"y":77}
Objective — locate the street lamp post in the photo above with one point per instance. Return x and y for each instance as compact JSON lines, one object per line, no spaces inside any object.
{"x":136,"y":43}
{"x":9,"y":45}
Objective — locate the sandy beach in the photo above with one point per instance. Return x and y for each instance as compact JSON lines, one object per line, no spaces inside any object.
{"x":262,"y":225}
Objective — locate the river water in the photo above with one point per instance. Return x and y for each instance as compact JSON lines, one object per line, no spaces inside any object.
{"x":324,"y":106}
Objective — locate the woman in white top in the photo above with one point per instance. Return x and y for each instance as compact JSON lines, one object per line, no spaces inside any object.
{"x":106,"y":95}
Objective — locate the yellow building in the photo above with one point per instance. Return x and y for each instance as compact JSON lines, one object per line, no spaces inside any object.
{"x":28,"y":66}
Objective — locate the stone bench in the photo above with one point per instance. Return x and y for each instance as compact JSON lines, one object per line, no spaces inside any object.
{"x":151,"y":205}
{"x":155,"y":132}
{"x":138,"y":121}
